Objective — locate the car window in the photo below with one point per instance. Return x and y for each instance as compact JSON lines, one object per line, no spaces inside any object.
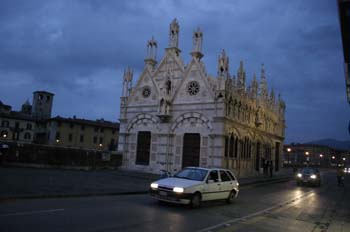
{"x":224,"y":176}
{"x":230,"y":174}
{"x":214,"y":175}
{"x":192,"y":174}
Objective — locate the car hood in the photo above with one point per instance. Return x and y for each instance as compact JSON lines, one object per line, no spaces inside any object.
{"x":177,"y":182}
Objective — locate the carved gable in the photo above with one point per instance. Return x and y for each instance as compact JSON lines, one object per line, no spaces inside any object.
{"x":145,"y":92}
{"x":194,"y":87}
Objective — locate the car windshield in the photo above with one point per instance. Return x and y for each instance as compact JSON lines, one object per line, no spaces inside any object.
{"x":308,"y":171}
{"x":192,"y":174}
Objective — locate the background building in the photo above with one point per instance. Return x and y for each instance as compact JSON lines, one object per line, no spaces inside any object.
{"x":177,"y":115}
{"x":33,"y":124}
{"x":314,"y":155}
{"x":344,"y":16}
{"x":82,"y":133}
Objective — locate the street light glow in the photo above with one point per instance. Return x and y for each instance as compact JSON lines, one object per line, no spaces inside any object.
{"x":321,"y":155}
{"x":57,"y":140}
{"x":344,"y":158}
{"x":289,"y":149}
{"x":307,"y":153}
{"x":333,"y":157}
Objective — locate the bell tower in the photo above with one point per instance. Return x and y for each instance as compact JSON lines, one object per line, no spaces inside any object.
{"x":42,"y":104}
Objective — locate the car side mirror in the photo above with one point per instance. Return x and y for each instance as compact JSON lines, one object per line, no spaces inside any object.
{"x":210,"y":181}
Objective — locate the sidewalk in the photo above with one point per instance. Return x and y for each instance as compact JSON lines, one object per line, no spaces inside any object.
{"x":26,"y":183}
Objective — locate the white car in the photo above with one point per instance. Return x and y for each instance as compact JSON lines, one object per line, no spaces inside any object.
{"x":194,"y":184}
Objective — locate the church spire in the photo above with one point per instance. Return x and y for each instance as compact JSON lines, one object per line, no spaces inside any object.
{"x":254,"y":87}
{"x":127,"y":82}
{"x":241,"y":76}
{"x":151,"y":53}
{"x":263,"y":83}
{"x":174,"y":34}
{"x":197,"y":44}
{"x":223,"y":65}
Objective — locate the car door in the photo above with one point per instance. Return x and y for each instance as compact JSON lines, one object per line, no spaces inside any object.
{"x":212,"y":186}
{"x":226,"y":184}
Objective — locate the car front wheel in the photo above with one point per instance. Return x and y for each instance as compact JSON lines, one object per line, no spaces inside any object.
{"x":196,"y":200}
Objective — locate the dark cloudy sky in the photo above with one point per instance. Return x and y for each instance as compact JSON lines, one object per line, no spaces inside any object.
{"x":78,"y":49}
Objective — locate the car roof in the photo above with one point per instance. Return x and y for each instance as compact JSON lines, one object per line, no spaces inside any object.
{"x":208,"y":169}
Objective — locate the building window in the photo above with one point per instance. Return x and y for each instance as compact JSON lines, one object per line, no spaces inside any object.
{"x":146,"y":92}
{"x":101,"y":130}
{"x":226,"y":146}
{"x":29,"y":126}
{"x":193,"y":88}
{"x":17,"y":125}
{"x":58,"y":124}
{"x":47,"y":98}
{"x":95,"y":139}
{"x":27,"y":136}
{"x":101,"y":140}
{"x":81,"y":138}
{"x":70,"y":137}
{"x":58,"y":136}
{"x":143,"y":147}
{"x":231,"y":147}
{"x":113,"y":131}
{"x":71,"y":126}
{"x":5,"y":123}
{"x":82,"y":127}
{"x":96,"y":129}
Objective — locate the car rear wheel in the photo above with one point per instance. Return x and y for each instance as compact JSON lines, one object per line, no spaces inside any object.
{"x":231,"y":198}
{"x":196,"y":200}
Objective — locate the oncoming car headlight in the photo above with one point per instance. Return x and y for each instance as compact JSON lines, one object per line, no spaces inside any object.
{"x":154,"y":185}
{"x":313,"y":176}
{"x":299,"y":175}
{"x":178,"y":190}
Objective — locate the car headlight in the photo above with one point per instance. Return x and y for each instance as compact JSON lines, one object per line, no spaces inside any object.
{"x":299,"y":175}
{"x":313,"y":176}
{"x":154,"y":185}
{"x":178,"y":190}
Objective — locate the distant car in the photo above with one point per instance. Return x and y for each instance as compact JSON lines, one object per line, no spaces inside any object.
{"x":193,"y":185}
{"x":308,"y":175}
{"x":347,"y":170}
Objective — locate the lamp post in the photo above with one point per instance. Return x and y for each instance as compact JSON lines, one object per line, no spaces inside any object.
{"x":321,"y":156}
{"x":289,"y":150}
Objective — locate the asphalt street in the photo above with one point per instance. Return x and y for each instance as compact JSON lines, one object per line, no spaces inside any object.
{"x":272,"y":207}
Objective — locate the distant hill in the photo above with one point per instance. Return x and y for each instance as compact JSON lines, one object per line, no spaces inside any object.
{"x":333,"y":143}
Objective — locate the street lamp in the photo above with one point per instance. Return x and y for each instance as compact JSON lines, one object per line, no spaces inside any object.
{"x":57,"y":140}
{"x":344,"y":158}
{"x":333,"y":157}
{"x":307,"y":153}
{"x":321,"y":155}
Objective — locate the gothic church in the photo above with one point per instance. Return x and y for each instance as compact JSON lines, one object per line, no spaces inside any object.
{"x":177,"y":115}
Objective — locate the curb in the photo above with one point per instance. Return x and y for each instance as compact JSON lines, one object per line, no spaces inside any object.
{"x":48,"y":196}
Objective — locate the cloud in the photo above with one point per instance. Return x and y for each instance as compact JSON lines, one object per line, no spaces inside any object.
{"x":78,"y":50}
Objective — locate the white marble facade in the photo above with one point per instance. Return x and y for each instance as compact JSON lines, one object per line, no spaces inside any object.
{"x":196,"y":119}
